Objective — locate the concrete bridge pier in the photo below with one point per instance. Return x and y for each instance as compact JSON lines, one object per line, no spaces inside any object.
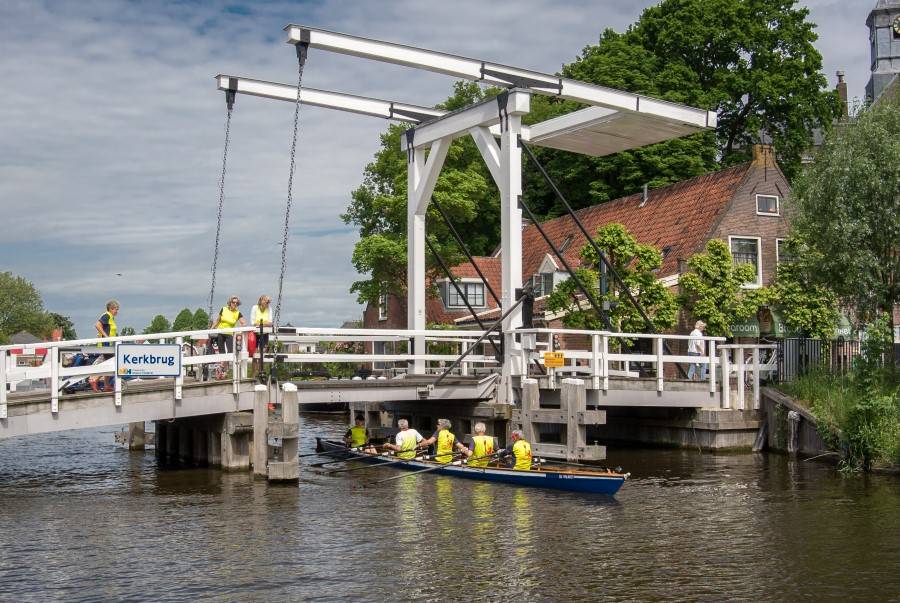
{"x":220,"y":440}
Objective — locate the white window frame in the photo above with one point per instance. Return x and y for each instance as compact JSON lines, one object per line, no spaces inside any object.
{"x":768,"y":213}
{"x":451,"y":290}
{"x":778,"y":243}
{"x":759,"y":273}
{"x":382,"y":306}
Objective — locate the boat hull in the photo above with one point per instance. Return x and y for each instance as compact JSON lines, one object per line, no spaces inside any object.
{"x":567,"y":481}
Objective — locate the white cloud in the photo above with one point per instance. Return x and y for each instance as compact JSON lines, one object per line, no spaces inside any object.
{"x":112,"y":137}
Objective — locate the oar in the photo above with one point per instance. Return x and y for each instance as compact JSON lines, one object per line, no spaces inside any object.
{"x":373,"y":465}
{"x":338,"y":451}
{"x":455,"y":463}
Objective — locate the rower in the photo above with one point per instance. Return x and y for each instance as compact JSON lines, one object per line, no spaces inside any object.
{"x":406,"y":441}
{"x":446,"y":443}
{"x":482,"y":446}
{"x":357,"y":436}
{"x":520,"y":451}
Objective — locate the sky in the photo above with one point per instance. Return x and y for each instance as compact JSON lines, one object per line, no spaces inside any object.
{"x":112,"y":133}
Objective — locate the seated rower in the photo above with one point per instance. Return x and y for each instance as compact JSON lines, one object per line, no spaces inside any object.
{"x":482,"y":447}
{"x":406,"y":441}
{"x":446,"y":443}
{"x":520,"y":451}
{"x":358,"y":436}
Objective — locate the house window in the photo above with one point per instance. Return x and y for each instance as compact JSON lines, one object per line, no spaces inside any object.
{"x":474,"y":292}
{"x":542,"y":283}
{"x":382,"y":306}
{"x":782,"y":252}
{"x":767,"y":205}
{"x":745,"y":250}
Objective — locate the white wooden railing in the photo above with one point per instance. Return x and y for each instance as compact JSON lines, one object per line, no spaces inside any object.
{"x":57,"y":375}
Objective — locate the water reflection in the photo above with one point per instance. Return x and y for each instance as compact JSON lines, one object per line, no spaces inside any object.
{"x":83,"y":520}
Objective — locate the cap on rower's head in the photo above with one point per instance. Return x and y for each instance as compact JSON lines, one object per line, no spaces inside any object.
{"x":360,"y":418}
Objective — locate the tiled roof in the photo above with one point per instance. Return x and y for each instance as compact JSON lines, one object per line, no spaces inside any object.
{"x":678,"y":216}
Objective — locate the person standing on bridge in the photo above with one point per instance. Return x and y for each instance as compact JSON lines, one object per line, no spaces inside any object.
{"x":106,"y":327}
{"x":697,"y":347}
{"x":261,"y":316}
{"x":406,"y":441}
{"x":228,"y":317}
{"x":445,"y":442}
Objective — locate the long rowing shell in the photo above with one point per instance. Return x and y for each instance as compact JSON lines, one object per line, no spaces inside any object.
{"x":594,"y":482}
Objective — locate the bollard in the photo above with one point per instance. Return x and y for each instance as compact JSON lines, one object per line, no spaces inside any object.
{"x":260,"y":430}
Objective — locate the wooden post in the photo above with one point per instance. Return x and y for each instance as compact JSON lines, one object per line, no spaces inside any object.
{"x":54,"y":379}
{"x":726,"y":378}
{"x":712,"y":367}
{"x":117,"y":389}
{"x":755,"y":378}
{"x":179,"y":380}
{"x":551,"y":372}
{"x":260,"y":430}
{"x":3,"y":360}
{"x":604,"y":349}
{"x":741,"y":368}
{"x":136,"y":435}
{"x":658,"y":344}
{"x":573,"y":403}
{"x":595,"y":361}
{"x":288,"y":429}
{"x":531,"y":401}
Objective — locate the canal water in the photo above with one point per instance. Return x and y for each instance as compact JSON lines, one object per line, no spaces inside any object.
{"x":84,"y":520}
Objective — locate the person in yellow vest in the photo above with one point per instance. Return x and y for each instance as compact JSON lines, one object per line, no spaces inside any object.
{"x":228,"y":317}
{"x":406,"y":441}
{"x":445,"y":443}
{"x":482,"y":447}
{"x":357,"y":436}
{"x":520,"y":451}
{"x":106,"y":327}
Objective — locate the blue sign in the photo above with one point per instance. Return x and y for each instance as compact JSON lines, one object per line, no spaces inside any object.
{"x":148,"y":360}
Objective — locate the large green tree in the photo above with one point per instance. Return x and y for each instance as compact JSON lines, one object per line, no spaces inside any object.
{"x":808,"y":306}
{"x":712,"y":290}
{"x":635,"y":263}
{"x":159,"y":324}
{"x":21,"y":308}
{"x":201,"y":320}
{"x":65,"y":323}
{"x":751,"y":61}
{"x":184,"y":321}
{"x":847,"y":212}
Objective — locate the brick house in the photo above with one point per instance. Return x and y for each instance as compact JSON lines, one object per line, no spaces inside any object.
{"x":742,"y":205}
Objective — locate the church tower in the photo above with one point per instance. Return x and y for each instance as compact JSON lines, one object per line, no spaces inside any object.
{"x":884,"y":41}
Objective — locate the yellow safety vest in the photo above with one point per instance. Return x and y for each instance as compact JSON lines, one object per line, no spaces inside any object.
{"x":484,"y":446}
{"x":358,"y":436}
{"x":445,"y":441}
{"x":408,"y":447}
{"x":262,"y":315}
{"x":112,"y":327}
{"x":522,"y":451}
{"x":228,"y":318}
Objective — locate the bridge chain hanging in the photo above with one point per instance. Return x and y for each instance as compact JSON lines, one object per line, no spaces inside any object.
{"x":229,"y":102}
{"x":302,"y":49}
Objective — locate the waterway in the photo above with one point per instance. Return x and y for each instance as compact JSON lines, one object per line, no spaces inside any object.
{"x":84,"y":520}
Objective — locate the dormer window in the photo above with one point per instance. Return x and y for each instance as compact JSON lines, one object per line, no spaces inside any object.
{"x":767,"y":205}
{"x":473,"y":291}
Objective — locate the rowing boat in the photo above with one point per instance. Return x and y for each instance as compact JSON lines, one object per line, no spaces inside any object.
{"x":556,"y":478}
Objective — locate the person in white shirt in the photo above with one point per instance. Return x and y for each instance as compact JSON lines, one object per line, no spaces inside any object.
{"x":697,"y":347}
{"x":406,"y":441}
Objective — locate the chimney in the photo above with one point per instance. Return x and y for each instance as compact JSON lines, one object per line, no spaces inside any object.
{"x":645,"y":196}
{"x":842,"y":95}
{"x":764,"y":155}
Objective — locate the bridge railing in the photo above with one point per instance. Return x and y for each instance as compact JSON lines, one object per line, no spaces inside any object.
{"x":55,"y":370}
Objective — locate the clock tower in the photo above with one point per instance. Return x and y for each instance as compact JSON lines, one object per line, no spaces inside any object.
{"x":884,"y":41}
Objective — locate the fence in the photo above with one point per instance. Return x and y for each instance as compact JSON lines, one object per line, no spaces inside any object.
{"x":798,"y":355}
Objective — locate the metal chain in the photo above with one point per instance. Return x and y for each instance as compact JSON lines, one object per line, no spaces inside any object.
{"x":212,"y":288}
{"x":301,"y":56}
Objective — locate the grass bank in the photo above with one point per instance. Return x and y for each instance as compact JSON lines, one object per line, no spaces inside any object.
{"x":855,"y":416}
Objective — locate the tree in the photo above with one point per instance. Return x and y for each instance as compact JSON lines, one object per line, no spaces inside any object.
{"x":807,"y":306}
{"x":21,"y":308}
{"x":712,"y":290}
{"x":847,"y":213}
{"x":635,"y":263}
{"x":159,"y":324}
{"x":65,"y":323}
{"x":127,"y":331}
{"x":751,"y":61}
{"x":184,"y":321}
{"x":201,"y":320}
{"x":464,"y":189}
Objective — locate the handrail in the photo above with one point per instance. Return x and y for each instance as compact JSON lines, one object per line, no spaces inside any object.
{"x":618,"y":335}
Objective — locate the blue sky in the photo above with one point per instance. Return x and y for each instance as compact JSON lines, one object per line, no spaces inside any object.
{"x":112,"y":137}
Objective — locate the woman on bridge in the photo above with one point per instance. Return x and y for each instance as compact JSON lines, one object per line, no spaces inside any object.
{"x":228,"y":317}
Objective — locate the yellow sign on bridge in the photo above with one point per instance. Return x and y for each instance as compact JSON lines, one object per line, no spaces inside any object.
{"x":554,"y":359}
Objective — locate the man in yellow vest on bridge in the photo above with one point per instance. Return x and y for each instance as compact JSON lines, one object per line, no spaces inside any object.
{"x":445,"y":443}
